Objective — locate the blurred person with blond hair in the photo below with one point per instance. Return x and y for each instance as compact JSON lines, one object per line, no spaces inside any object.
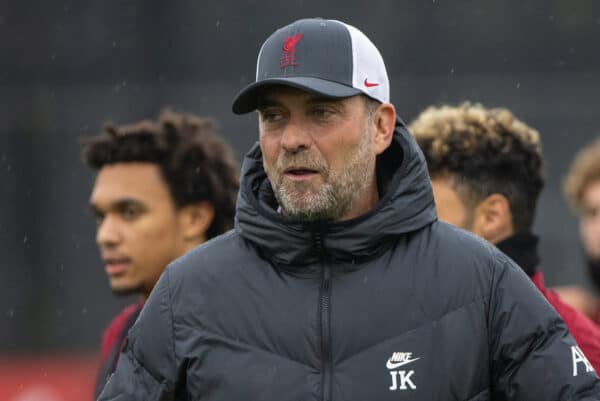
{"x":582,"y":190}
{"x":486,"y":172}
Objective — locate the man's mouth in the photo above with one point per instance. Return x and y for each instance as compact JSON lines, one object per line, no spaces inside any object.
{"x":300,"y":173}
{"x":116,"y":266}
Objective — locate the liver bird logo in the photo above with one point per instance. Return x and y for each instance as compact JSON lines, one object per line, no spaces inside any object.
{"x":289,"y":44}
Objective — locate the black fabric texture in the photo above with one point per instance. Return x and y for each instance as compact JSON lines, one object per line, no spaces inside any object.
{"x":523,"y":249}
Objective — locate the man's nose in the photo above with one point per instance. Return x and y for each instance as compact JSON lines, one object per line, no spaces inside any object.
{"x":108,"y":232}
{"x":296,"y":137}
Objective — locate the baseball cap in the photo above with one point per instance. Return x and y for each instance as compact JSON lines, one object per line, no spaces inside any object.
{"x":327,"y":57}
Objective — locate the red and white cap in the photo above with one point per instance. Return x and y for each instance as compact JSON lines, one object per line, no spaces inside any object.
{"x":327,"y":57}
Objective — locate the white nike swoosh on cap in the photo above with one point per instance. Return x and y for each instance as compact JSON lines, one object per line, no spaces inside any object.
{"x":392,"y":365}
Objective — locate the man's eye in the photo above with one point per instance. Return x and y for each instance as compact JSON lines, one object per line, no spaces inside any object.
{"x":271,"y":116}
{"x":97,"y":215}
{"x":322,"y":112}
{"x":590,"y":212}
{"x":130,"y":212}
{"x":98,"y":218}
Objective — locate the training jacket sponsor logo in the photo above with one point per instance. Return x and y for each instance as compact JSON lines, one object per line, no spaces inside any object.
{"x":401,"y":379}
{"x":579,"y":357}
{"x":400,"y":359}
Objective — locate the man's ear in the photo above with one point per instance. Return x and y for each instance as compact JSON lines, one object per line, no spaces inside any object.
{"x":493,"y":219}
{"x":384,"y":122}
{"x":195,"y":219}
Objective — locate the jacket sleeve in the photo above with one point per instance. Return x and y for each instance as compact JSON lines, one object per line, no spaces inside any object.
{"x":583,"y":330}
{"x":533,"y":356}
{"x":147,"y":366}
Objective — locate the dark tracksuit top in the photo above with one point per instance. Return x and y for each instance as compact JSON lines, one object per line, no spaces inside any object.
{"x":522,"y":247}
{"x":113,"y":340}
{"x":392,"y":305}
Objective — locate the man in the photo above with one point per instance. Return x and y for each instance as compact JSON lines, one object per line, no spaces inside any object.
{"x":582,"y":190}
{"x":162,"y":188}
{"x":486,"y":173}
{"x":338,"y":283}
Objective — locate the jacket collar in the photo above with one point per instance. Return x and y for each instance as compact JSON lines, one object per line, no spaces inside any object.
{"x":523,"y":249}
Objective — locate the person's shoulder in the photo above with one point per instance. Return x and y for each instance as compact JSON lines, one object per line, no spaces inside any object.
{"x":196,"y":279}
{"x":463,"y":245}
{"x":116,"y":326}
{"x":461,"y":257}
{"x":215,"y":257}
{"x":121,"y":318}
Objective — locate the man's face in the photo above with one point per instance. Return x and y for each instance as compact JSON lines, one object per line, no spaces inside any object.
{"x":138,"y":227}
{"x":590,"y":220}
{"x":450,"y":207}
{"x":317,"y":153}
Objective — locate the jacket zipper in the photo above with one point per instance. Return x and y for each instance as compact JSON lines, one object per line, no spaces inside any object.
{"x":326,"y":361}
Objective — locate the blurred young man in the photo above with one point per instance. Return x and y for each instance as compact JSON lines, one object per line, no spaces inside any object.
{"x":162,"y":188}
{"x":338,"y":282}
{"x":486,"y":172}
{"x":582,"y":189}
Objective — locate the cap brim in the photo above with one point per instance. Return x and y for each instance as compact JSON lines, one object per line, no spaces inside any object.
{"x":246,"y":100}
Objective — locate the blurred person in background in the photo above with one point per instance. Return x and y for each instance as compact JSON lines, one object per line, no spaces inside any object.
{"x":338,"y":282}
{"x":582,"y":190}
{"x":162,"y":187}
{"x":486,"y":172}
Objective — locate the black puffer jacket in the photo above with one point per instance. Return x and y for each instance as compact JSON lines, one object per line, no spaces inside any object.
{"x":393,"y":305}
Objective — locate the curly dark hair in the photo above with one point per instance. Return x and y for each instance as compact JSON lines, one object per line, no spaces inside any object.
{"x":195,"y":162}
{"x":484,"y":151}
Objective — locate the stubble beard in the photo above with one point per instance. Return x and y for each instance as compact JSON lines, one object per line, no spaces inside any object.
{"x":331,"y":200}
